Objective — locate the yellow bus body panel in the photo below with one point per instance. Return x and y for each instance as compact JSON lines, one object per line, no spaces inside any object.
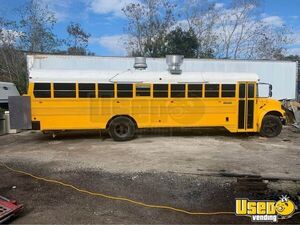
{"x":148,"y":112}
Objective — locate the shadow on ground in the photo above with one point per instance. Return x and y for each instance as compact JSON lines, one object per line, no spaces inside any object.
{"x":157,"y":132}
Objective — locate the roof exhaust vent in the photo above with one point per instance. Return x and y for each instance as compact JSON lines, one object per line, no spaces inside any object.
{"x":140,"y":63}
{"x":174,"y":62}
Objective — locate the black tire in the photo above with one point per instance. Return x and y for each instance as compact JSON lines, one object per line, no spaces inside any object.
{"x":122,"y":128}
{"x":271,"y":126}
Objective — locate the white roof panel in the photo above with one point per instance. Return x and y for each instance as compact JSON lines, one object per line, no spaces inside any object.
{"x":137,"y":76}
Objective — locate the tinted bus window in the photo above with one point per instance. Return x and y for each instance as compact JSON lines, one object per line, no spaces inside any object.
{"x":177,"y":90}
{"x":212,"y":90}
{"x":242,"y":91}
{"x":251,"y":90}
{"x":228,"y":90}
{"x":106,"y":90}
{"x":195,"y":90}
{"x":160,"y":90}
{"x":124,"y":90}
{"x":143,"y":90}
{"x":64,"y":90}
{"x":87,"y":91}
{"x":42,"y":90}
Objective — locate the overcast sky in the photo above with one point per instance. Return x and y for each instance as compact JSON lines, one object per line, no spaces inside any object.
{"x":104,"y":20}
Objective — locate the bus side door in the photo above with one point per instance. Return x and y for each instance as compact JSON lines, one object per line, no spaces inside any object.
{"x":246,"y":106}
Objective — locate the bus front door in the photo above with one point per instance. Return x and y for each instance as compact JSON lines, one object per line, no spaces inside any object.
{"x":246,"y":107}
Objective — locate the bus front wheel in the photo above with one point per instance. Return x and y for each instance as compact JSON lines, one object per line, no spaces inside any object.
{"x":271,"y":126}
{"x":121,"y":128}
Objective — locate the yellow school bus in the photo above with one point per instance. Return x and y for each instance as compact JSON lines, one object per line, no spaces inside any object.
{"x":122,"y":102}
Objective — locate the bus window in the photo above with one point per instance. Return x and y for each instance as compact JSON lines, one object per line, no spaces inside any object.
{"x":64,"y":90}
{"x":143,"y":90}
{"x":228,"y":90}
{"x":42,"y":90}
{"x":124,"y":90}
{"x":250,"y":90}
{"x":242,"y":91}
{"x":106,"y":90}
{"x":195,"y":90}
{"x":177,"y":90}
{"x":212,"y":90}
{"x":87,"y":90}
{"x":160,"y":90}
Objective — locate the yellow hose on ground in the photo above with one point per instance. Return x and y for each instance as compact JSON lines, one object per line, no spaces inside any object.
{"x":114,"y":197}
{"x":121,"y":198}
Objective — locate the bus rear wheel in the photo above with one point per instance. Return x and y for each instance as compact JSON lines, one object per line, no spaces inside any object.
{"x":271,"y":126}
{"x":121,"y":128}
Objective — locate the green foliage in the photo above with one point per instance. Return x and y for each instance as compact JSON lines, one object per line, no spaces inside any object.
{"x":76,"y":51}
{"x":294,"y":58}
{"x":181,"y":42}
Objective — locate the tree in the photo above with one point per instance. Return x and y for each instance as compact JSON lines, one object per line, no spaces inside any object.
{"x":271,"y":42}
{"x":36,"y":24}
{"x":181,"y":42}
{"x":242,"y":34}
{"x":293,"y":58}
{"x":233,"y":31}
{"x":12,"y":61}
{"x":201,"y":17}
{"x":148,"y":24}
{"x":32,"y":33}
{"x":236,"y":25}
{"x":78,"y":39}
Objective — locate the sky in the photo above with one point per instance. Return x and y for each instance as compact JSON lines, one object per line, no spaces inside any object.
{"x":104,"y":20}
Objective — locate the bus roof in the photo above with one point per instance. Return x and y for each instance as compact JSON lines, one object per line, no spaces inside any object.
{"x":137,"y":76}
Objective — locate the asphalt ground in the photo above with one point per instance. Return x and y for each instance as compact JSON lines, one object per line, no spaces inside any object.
{"x":196,"y":170}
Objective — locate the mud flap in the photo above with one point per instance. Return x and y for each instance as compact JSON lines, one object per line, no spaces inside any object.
{"x":20,"y":112}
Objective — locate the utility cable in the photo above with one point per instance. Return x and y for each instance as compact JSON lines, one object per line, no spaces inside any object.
{"x":111,"y":197}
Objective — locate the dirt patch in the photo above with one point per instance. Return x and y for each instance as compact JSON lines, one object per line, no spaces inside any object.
{"x":50,"y":203}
